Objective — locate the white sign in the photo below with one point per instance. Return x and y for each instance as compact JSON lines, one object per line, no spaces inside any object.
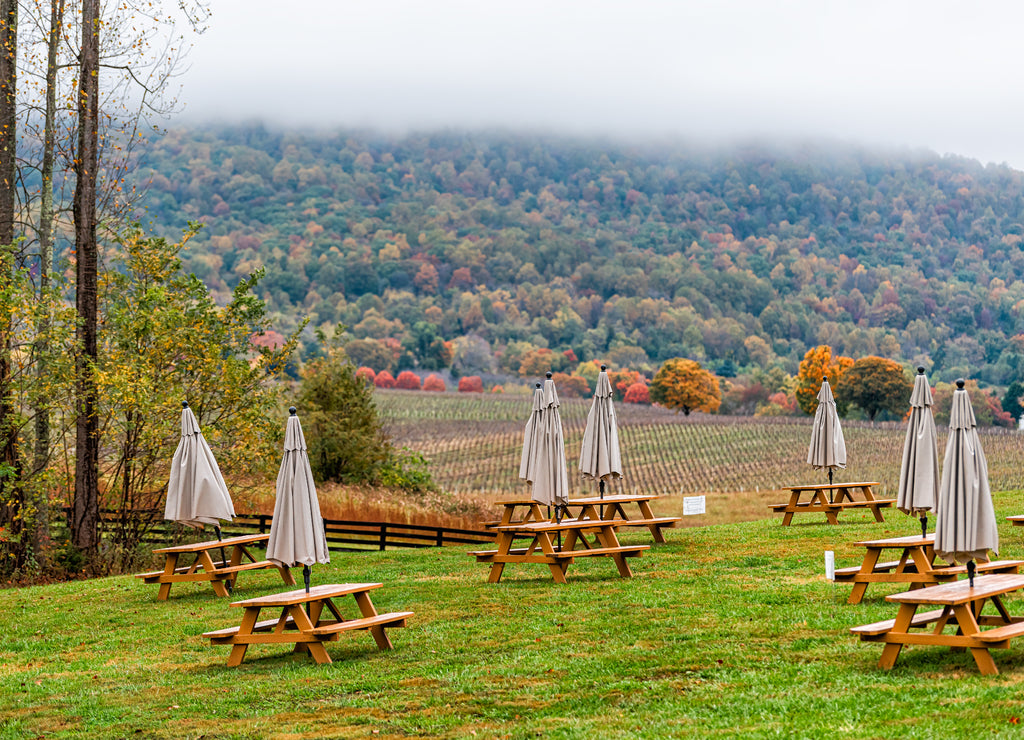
{"x":693,"y":505}
{"x":830,"y":565}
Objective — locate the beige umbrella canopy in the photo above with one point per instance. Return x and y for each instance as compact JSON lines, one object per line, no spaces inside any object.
{"x":600,"y":458}
{"x":919,"y":471}
{"x":297,"y":530}
{"x":196,"y":492}
{"x":550,"y":473}
{"x":965,"y":520}
{"x":828,"y":448}
{"x":532,"y":437}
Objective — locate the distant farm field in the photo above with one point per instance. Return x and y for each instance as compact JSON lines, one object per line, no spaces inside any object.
{"x":473,"y":441}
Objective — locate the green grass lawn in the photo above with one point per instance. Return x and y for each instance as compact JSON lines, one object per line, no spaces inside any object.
{"x":725,"y":631}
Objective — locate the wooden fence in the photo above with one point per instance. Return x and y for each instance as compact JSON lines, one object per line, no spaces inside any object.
{"x":342,"y":535}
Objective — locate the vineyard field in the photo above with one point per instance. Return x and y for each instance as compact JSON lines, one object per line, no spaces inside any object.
{"x":472,"y":443}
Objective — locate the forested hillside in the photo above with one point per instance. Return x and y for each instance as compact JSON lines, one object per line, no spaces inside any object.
{"x":471,"y":250}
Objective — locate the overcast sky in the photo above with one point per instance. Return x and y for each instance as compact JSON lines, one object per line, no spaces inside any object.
{"x":947,"y":76}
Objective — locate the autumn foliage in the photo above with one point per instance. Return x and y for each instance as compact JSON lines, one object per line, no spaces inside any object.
{"x":684,"y":385}
{"x":366,"y":373}
{"x":384,"y":379}
{"x":638,"y":393}
{"x":571,"y":386}
{"x":408,"y":380}
{"x":434,"y":383}
{"x":471,"y":384}
{"x":876,"y":384}
{"x":818,"y":363}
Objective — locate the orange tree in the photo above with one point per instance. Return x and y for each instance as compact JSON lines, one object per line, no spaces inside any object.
{"x":684,"y":385}
{"x":819,"y":362}
{"x":876,"y":384}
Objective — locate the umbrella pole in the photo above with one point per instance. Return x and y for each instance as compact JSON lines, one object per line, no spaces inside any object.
{"x":601,"y":488}
{"x":305,"y":576}
{"x":970,"y":571}
{"x":830,"y":492}
{"x":223,"y":560}
{"x":924,"y":525}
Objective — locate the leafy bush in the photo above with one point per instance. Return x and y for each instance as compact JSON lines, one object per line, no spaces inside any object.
{"x":384,"y":379}
{"x":408,"y":380}
{"x":638,"y":393}
{"x":434,"y":383}
{"x":406,"y":470}
{"x":366,"y":373}
{"x":471,"y":384}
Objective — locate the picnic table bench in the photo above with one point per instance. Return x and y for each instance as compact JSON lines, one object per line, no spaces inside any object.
{"x":220,"y":573}
{"x":961,"y":608}
{"x":595,"y":507}
{"x":830,"y":500}
{"x":308,"y":620}
{"x":542,"y":548}
{"x":915,"y":567}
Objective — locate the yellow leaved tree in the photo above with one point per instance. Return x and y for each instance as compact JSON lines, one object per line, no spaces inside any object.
{"x":684,"y":385}
{"x":818,"y":363}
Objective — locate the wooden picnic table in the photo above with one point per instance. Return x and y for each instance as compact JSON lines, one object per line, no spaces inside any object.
{"x":961,"y":608}
{"x":542,"y":547}
{"x":842,"y":497}
{"x":915,"y":567}
{"x":221,"y":573}
{"x":608,"y":508}
{"x":1017,"y":521}
{"x":308,"y":620}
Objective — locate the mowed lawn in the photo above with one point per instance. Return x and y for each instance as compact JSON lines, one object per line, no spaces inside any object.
{"x":725,"y":631}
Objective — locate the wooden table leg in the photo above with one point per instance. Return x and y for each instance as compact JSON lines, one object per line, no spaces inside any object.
{"x":794,"y":500}
{"x":558,"y":571}
{"x":367,"y":609}
{"x":219,"y":587}
{"x":891,"y":651}
{"x":646,"y":513}
{"x":867,"y":567}
{"x":245,"y":630}
{"x":286,"y":575}
{"x":170,"y":563}
{"x":969,"y":626}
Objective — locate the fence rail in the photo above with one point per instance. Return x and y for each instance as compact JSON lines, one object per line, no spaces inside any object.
{"x":342,"y":535}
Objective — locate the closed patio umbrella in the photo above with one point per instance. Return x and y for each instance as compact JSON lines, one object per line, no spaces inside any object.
{"x":297,"y":530}
{"x":965,"y":521}
{"x":550,"y":472}
{"x":600,"y":458}
{"x":828,"y":448}
{"x":919,"y":470}
{"x":531,"y":437}
{"x":196,"y":492}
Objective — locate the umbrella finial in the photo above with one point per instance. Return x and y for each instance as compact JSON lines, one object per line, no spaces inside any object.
{"x":920,"y":369}
{"x":184,"y":404}
{"x":824,"y":378}
{"x":603,"y":368}
{"x":538,"y":385}
{"x":291,"y":411}
{"x":959,"y":384}
{"x":548,"y":375}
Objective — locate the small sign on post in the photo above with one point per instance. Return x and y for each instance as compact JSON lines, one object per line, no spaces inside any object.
{"x":693,"y":505}
{"x":830,"y":565}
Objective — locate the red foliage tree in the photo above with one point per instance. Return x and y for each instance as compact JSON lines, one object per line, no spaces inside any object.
{"x":471,"y":384}
{"x":498,"y":389}
{"x":366,"y":373}
{"x":638,"y":393}
{"x":408,"y":380}
{"x":571,"y":386}
{"x":621,"y":380}
{"x":384,"y":379}
{"x":434,"y":383}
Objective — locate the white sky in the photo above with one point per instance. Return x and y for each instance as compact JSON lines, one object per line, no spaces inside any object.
{"x":943,"y":75}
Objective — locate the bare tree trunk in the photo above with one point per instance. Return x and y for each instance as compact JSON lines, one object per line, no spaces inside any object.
{"x":46,"y":220}
{"x":85,"y":523}
{"x":12,"y":503}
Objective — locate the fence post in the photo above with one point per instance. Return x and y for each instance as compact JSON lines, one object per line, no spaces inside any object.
{"x":383,"y":536}
{"x":440,"y":536}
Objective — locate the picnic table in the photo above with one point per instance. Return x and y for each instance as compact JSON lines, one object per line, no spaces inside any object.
{"x":961,"y":608}
{"x":221,"y":573}
{"x":608,"y":508}
{"x":842,"y":498}
{"x":542,"y":548}
{"x":308,"y":620}
{"x":1017,"y":521}
{"x":915,"y":567}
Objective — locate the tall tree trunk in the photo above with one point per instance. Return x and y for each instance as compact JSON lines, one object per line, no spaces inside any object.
{"x":85,"y":523}
{"x":46,"y":219}
{"x":12,"y":504}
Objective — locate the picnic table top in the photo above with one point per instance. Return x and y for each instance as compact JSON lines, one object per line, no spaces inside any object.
{"x":244,"y":539}
{"x":565,"y":524}
{"x":914,"y":540}
{"x":299,"y":596}
{"x":587,"y":500}
{"x":830,"y":486}
{"x":961,"y":592}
